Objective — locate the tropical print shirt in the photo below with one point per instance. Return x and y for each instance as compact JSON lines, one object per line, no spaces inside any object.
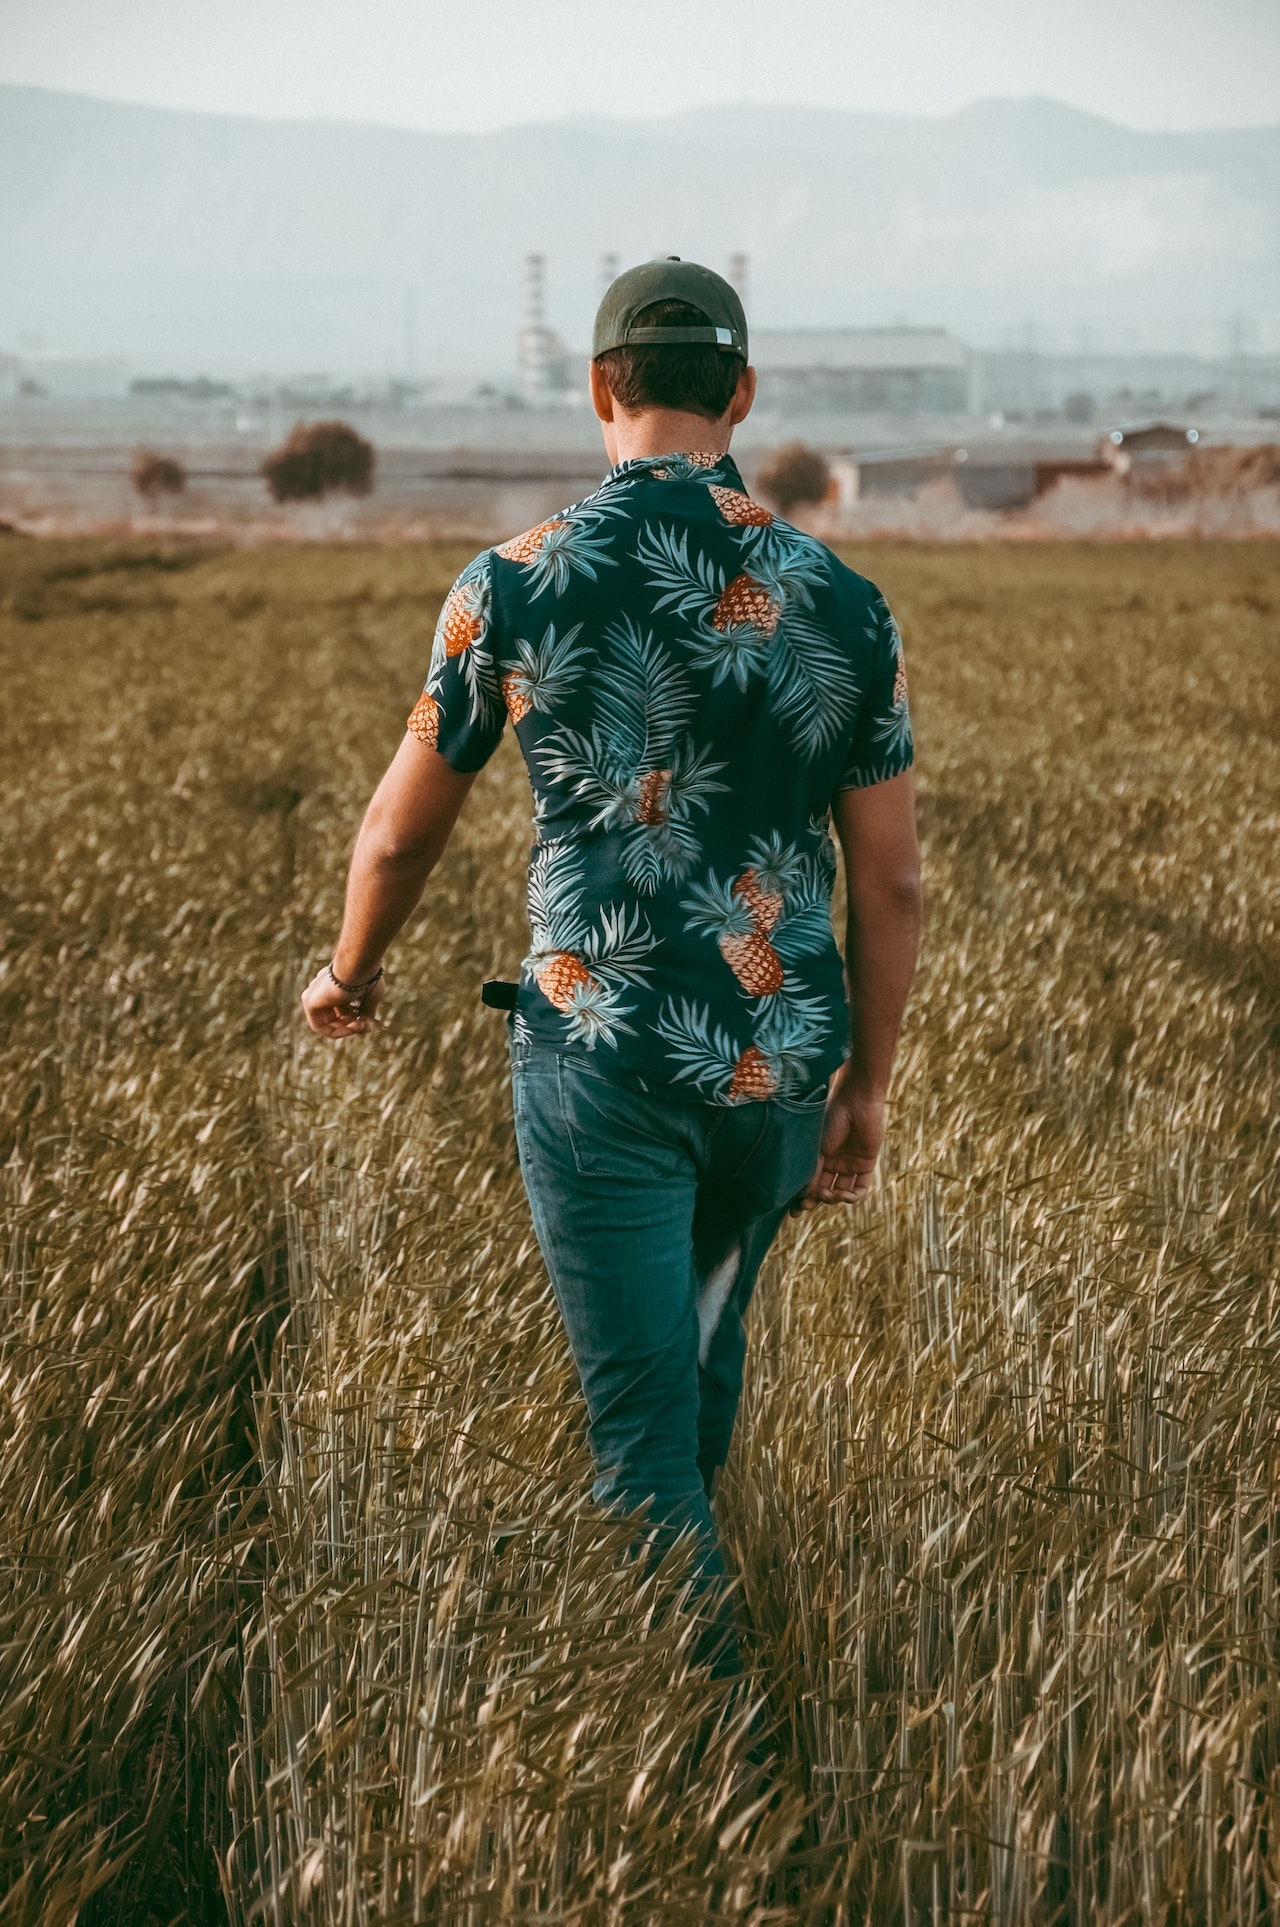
{"x":690,"y":680}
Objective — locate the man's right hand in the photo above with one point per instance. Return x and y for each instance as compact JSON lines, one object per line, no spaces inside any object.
{"x":333,"y":1012}
{"x":851,"y":1139}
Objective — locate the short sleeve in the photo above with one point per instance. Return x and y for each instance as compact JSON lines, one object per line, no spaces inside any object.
{"x":880,"y":745}
{"x":461,"y":711}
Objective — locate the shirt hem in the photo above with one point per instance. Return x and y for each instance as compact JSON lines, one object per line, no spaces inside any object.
{"x":863,"y":779}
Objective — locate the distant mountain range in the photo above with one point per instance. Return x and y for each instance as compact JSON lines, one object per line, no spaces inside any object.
{"x":192,"y":242}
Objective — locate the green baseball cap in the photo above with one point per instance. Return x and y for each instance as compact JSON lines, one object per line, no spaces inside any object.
{"x":620,"y":317}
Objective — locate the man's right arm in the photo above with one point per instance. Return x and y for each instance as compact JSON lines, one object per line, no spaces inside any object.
{"x":402,"y":838}
{"x":876,"y":826}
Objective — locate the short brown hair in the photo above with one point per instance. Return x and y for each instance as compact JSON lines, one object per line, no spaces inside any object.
{"x":697,"y":379}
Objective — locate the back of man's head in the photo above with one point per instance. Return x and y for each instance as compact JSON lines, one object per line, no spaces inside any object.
{"x":696,"y":371}
{"x":693,"y":377}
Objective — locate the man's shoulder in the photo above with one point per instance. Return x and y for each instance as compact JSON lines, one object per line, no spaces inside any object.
{"x":847,"y":583}
{"x":577,"y":541}
{"x":808,"y":559}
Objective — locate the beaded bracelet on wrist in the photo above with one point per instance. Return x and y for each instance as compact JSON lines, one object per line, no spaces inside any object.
{"x":353,"y":989}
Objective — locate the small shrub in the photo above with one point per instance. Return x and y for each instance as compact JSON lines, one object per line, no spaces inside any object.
{"x":155,"y":475}
{"x":1227,"y":472}
{"x":316,"y":459}
{"x":793,"y":474}
{"x":1233,"y":471}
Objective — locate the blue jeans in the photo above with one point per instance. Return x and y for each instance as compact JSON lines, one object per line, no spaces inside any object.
{"x":654,"y":1214}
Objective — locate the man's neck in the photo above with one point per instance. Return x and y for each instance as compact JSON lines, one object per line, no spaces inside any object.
{"x":662,"y":431}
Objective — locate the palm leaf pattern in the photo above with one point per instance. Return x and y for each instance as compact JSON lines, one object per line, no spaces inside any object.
{"x":721,"y":909}
{"x":590,"y":961}
{"x":638,"y":768}
{"x":657,"y":853}
{"x":810,"y":685}
{"x":475,"y":664}
{"x":619,"y":943}
{"x":778,"y":866}
{"x":788,"y":1036}
{"x":683,"y":468}
{"x":690,"y":690}
{"x":556,"y":920}
{"x":819,"y":828}
{"x":692,"y":586}
{"x":740,"y":651}
{"x":546,"y":672}
{"x":804,"y":666}
{"x":789,"y":562}
{"x":688,"y":586}
{"x":804,"y":883}
{"x":705,"y":1054}
{"x":574,"y":545}
{"x":807,"y":670}
{"x":616,"y":944}
{"x":894,"y":729}
{"x":712,"y":908}
{"x":646,"y":701}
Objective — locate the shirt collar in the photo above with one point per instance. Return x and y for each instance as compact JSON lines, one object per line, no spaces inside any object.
{"x":686,"y":465}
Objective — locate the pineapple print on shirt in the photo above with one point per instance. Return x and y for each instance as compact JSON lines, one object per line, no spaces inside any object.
{"x":756,"y":621}
{"x":555,"y":551}
{"x":690,"y":681}
{"x":775,"y":912}
{"x":582,"y":967}
{"x":777,"y":1062}
{"x":462,"y":640}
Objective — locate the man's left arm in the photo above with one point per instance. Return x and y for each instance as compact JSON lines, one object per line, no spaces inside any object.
{"x":403,"y":836}
{"x":877,"y":831}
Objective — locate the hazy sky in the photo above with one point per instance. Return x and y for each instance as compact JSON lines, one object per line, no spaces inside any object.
{"x":485,"y":63}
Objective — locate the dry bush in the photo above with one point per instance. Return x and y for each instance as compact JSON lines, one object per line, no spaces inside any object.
{"x":154,"y":475}
{"x":792,"y":475}
{"x":307,"y":1618}
{"x":317,"y":459}
{"x":1227,"y":471}
{"x":1232,"y":471}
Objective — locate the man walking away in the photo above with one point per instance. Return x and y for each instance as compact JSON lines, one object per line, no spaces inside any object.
{"x":700,"y":692}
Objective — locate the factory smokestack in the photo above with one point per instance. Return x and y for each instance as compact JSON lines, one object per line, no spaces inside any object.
{"x":532,"y":344}
{"x":737,"y":277}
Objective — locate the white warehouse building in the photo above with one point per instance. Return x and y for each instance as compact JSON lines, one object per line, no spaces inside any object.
{"x":866,"y":371}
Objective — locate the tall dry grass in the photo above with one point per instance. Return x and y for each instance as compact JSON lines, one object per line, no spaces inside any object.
{"x":306,"y":1618}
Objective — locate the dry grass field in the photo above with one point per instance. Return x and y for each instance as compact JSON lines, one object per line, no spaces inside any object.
{"x":305,"y":1617}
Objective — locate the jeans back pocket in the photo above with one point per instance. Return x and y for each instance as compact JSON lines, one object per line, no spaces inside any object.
{"x":615,"y":1131}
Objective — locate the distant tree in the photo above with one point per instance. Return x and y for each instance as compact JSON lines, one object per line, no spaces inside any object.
{"x":316,"y":459}
{"x":1078,"y":406}
{"x":154,"y":475}
{"x":793,"y":474}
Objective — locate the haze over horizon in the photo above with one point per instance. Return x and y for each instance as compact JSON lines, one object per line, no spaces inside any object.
{"x":197,"y":243}
{"x":645,"y":117}
{"x":1170,"y":65}
{"x":350,"y":185}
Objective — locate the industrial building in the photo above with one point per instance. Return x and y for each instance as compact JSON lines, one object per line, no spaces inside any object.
{"x":866,"y":371}
{"x":898,"y":371}
{"x":62,"y":375}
